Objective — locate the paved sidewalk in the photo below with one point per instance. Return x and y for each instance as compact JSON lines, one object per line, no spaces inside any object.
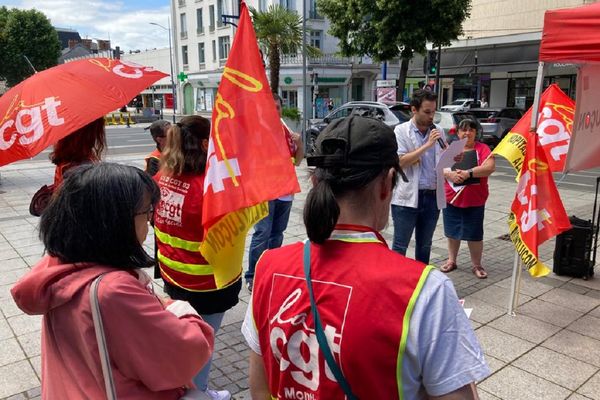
{"x":550,"y":350}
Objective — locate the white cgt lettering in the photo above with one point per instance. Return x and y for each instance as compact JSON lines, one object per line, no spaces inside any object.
{"x":34,"y":130}
{"x":138,"y":70}
{"x":551,"y":131}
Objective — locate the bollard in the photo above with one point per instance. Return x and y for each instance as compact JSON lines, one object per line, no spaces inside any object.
{"x":113,"y":120}
{"x":121,"y":120}
{"x":130,"y":120}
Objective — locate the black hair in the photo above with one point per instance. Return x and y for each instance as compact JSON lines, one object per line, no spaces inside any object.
{"x":321,"y":210}
{"x":421,"y":95}
{"x":91,"y":217}
{"x":467,"y":123}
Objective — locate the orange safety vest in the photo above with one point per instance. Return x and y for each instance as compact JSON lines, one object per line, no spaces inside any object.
{"x":179,"y":233}
{"x":365,"y":294}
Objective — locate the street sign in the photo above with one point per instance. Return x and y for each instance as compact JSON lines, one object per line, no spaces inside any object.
{"x":386,"y":83}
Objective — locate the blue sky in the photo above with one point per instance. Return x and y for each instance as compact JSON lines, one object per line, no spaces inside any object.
{"x":125,"y":22}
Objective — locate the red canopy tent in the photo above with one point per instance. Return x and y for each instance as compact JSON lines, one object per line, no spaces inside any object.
{"x":572,"y":35}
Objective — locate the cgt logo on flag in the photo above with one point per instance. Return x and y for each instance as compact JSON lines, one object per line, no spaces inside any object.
{"x":537,"y":213}
{"x":555,"y":124}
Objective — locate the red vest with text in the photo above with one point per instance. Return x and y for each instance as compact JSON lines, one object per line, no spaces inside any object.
{"x":178,"y":231}
{"x":363,"y":291}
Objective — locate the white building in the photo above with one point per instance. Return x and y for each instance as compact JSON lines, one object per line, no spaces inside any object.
{"x":202,"y":43}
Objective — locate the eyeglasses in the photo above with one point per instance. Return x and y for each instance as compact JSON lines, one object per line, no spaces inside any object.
{"x":149,"y":213}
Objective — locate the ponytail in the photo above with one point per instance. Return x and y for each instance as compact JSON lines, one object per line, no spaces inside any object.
{"x":321,"y":212}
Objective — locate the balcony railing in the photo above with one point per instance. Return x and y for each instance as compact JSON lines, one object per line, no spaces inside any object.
{"x":181,"y":3}
{"x":200,"y":30}
{"x":313,"y":14}
{"x":184,"y":35}
{"x":211,"y":28}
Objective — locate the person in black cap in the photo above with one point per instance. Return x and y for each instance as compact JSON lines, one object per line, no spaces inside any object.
{"x":342,"y":314}
{"x":158,"y":130}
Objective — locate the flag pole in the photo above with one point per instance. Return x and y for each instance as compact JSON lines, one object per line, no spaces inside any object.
{"x":515,"y":285}
{"x":516,"y":275}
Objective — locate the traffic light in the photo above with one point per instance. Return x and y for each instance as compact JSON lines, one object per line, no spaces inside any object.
{"x":432,"y":62}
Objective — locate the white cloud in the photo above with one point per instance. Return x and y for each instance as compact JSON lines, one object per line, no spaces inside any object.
{"x":127,"y":24}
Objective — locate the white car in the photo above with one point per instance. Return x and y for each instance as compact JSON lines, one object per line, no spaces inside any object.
{"x":461,"y":105}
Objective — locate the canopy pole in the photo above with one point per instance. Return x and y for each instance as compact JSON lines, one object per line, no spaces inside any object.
{"x":539,"y":83}
{"x":515,"y":286}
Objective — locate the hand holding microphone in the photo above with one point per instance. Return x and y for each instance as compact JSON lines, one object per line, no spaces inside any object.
{"x":435,"y":133}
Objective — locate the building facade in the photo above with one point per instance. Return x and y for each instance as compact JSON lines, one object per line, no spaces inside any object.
{"x":202,"y":42}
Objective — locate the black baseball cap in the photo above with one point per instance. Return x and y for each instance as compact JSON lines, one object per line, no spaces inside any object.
{"x":157,"y":127}
{"x":356,"y":141}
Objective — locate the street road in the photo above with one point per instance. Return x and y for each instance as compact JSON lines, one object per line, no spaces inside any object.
{"x":136,"y":140}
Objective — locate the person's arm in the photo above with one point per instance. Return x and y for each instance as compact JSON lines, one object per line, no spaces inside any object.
{"x":413,"y":157}
{"x":299,"y":155}
{"x":481,"y":171}
{"x":467,"y":392}
{"x":259,"y":389}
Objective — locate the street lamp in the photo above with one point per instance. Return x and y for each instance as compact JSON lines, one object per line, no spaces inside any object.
{"x":168,"y":29}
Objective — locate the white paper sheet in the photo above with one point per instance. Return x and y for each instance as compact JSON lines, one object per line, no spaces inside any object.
{"x":446,"y":161}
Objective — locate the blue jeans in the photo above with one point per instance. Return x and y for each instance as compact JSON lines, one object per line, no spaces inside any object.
{"x":214,"y":320}
{"x":422,"y":220}
{"x":268,"y":233}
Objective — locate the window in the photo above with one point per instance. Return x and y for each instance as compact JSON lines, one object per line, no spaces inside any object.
{"x":312,"y":12}
{"x":289,"y":4}
{"x":199,"y":23}
{"x":316,"y":38}
{"x":211,"y":11}
{"x":201,"y":59}
{"x":224,"y":47}
{"x":262,"y":5}
{"x":183,"y":23}
{"x":221,"y":9}
{"x":343,"y":113}
{"x":214,"y":47}
{"x":290,"y":98}
{"x":184,"y":55}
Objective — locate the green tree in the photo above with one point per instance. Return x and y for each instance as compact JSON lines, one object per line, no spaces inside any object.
{"x":26,"y":33}
{"x":279,"y":31}
{"x":387,"y":29}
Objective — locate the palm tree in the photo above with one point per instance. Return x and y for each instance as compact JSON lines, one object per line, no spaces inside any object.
{"x":279,"y":31}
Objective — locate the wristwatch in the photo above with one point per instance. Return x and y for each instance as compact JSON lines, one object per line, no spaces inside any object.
{"x":471,"y":173}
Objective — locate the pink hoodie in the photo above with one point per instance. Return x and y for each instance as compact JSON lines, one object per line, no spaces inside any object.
{"x":153,"y":353}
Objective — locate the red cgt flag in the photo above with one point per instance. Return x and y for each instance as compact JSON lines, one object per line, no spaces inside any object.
{"x":555,"y":124}
{"x":248,"y":157}
{"x":537,"y":212}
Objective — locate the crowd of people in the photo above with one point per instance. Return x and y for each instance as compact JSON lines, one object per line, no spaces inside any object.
{"x":314,"y":325}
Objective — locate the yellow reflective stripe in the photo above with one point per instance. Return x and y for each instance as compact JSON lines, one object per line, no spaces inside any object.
{"x":173,"y":282}
{"x":176,"y":242}
{"x":190,"y":269}
{"x":357,"y":240}
{"x":405,"y":326}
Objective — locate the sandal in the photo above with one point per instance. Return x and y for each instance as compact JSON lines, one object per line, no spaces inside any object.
{"x":448,"y":266}
{"x":479,"y":272}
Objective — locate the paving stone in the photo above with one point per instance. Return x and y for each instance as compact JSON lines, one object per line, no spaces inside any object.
{"x":574,"y":345}
{"x":595,"y":312}
{"x":483,"y":395}
{"x":525,"y":327}
{"x":516,"y":384}
{"x":498,"y":296}
{"x":501,"y":345}
{"x":571,"y":300}
{"x":555,"y":367}
{"x":529,"y":286}
{"x":576,"y":396}
{"x":31,"y":343}
{"x":5,"y":331}
{"x":17,"y":377}
{"x":10,"y":351}
{"x":549,"y":312}
{"x":494,"y":364}
{"x":24,"y":323}
{"x":11,"y":264}
{"x":591,"y":388}
{"x":482,"y":311}
{"x":587,"y":325}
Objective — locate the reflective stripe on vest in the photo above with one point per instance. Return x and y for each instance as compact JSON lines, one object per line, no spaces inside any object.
{"x":406,"y":325}
{"x":176,"y":242}
{"x":190,"y":269}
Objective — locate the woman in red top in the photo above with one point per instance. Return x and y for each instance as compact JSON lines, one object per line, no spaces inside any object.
{"x":463,"y":215}
{"x":85,"y":145}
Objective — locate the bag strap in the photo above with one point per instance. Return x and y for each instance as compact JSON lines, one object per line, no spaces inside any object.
{"x":111,"y":393}
{"x":323,"y":344}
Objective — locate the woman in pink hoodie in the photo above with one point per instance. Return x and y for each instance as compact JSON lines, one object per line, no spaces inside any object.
{"x":95,"y":225}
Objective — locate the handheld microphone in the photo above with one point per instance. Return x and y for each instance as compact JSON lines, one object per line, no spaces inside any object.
{"x":440,"y":141}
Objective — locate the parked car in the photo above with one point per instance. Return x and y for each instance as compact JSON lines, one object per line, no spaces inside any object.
{"x":497,"y":122}
{"x":449,"y":121}
{"x":402,"y":111}
{"x":461,"y":105}
{"x":369,"y":108}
